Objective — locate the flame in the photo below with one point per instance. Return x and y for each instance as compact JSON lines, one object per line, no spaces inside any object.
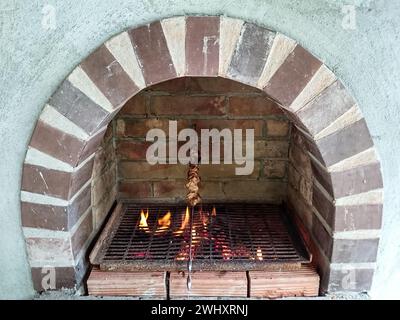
{"x":165,"y":221}
{"x":204,"y":216}
{"x":143,"y":219}
{"x":259,"y":255}
{"x":186,"y":219}
{"x":185,"y":222}
{"x":198,"y":235}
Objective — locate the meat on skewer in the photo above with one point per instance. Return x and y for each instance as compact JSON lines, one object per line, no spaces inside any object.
{"x":193,"y":196}
{"x":193,"y":177}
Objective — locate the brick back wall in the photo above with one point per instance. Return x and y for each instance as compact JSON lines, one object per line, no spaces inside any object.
{"x":201,"y":103}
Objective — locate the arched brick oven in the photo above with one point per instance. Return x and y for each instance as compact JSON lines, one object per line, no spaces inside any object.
{"x":343,"y":217}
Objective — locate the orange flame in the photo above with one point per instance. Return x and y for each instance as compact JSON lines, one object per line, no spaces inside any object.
{"x":204,"y":216}
{"x":143,"y":219}
{"x":214,"y":212}
{"x":185,"y":222}
{"x":164,"y":222}
{"x":186,"y":219}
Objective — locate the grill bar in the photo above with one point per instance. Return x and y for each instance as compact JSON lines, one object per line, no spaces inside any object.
{"x":239,"y":237}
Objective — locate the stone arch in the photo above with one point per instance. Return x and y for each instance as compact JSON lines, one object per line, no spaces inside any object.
{"x":55,"y":192}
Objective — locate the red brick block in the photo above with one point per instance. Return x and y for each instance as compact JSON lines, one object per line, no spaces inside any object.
{"x":252,"y":106}
{"x":277,"y":128}
{"x":202,"y":46}
{"x":153,"y":54}
{"x":135,"y":106}
{"x":257,"y":125}
{"x":187,"y":105}
{"x":132,"y":150}
{"x":134,"y":190}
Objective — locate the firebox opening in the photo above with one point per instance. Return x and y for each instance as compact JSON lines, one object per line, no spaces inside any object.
{"x":216,"y":237}
{"x":153,"y":194}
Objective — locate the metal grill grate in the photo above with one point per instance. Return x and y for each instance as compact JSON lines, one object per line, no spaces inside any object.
{"x":237,"y":237}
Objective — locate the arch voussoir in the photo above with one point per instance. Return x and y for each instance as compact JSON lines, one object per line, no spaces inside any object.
{"x":109,"y":77}
{"x":151,"y":50}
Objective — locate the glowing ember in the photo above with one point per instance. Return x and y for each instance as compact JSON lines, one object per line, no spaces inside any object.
{"x":226,"y":252}
{"x":182,"y":256}
{"x":143,"y":220}
{"x":259,"y":254}
{"x":195,"y":238}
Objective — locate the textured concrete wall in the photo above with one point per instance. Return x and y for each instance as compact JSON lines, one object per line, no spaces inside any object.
{"x":35,"y":60}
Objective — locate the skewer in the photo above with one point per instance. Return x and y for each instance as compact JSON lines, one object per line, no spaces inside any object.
{"x":190,"y":260}
{"x":193,"y":198}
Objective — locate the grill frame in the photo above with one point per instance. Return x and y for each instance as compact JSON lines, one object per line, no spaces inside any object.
{"x":117,"y":226}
